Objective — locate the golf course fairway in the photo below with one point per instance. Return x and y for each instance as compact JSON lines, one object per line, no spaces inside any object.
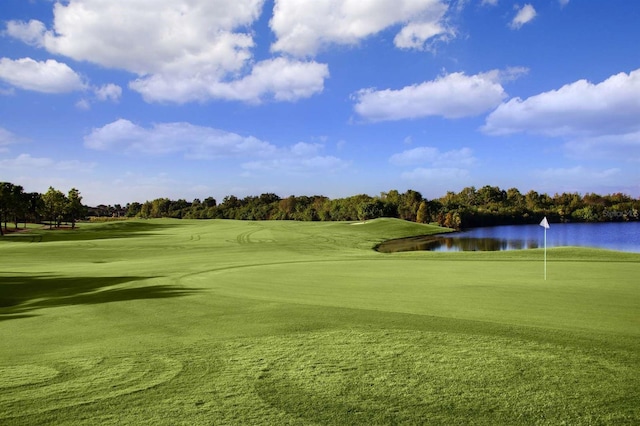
{"x":169,"y":322}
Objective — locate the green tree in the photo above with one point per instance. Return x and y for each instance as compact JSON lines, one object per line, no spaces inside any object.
{"x":133,"y":209}
{"x":370,"y":210}
{"x":74,"y":207}
{"x":586,"y":214}
{"x":19,"y":205}
{"x":54,"y":206}
{"x":491,"y":197}
{"x":6,"y":190}
{"x":160,"y":207}
{"x":145,"y":210}
{"x":565,"y":204}
{"x":391,"y":201}
{"x":451,"y":201}
{"x":537,"y":202}
{"x":515,"y":199}
{"x":209,"y":202}
{"x":178,"y":208}
{"x":409,"y":204}
{"x":35,"y":206}
{"x":468,"y":196}
{"x":591,"y":199}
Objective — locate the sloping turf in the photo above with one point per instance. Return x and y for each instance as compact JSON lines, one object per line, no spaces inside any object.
{"x":228,"y":322}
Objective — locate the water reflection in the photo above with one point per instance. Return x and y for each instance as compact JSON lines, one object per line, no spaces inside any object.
{"x":479,"y":244}
{"x":444,"y":243}
{"x":614,"y":236}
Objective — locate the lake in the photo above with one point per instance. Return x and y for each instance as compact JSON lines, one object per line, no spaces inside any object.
{"x":622,"y":236}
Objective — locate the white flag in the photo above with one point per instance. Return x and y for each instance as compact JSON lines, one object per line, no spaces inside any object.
{"x":544,"y":223}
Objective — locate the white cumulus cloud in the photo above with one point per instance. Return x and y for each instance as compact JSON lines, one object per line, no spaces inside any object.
{"x":578,"y":109}
{"x":192,"y":141}
{"x":26,"y":161}
{"x":414,"y":35}
{"x":451,"y":96}
{"x":181,"y":50}
{"x":525,"y":14}
{"x":48,"y":76}
{"x":145,"y":36}
{"x":108,"y":92}
{"x":198,"y":142}
{"x":284,"y":79}
{"x":304,"y":27}
{"x":598,"y":120}
{"x":31,"y":32}
{"x":280,"y":79}
{"x":302,"y":149}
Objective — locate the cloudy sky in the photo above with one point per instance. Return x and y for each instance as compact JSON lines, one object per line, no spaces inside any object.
{"x":140,"y":99}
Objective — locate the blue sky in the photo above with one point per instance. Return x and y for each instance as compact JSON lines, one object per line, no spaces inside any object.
{"x":130,"y":101}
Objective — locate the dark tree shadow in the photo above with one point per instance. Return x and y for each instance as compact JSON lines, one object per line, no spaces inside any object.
{"x":107,"y":230}
{"x":20,"y":295}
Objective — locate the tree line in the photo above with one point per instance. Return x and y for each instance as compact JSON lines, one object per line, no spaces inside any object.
{"x":471,"y":207}
{"x":18,"y":206}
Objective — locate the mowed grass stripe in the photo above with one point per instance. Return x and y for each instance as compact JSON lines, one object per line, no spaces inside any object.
{"x":303,"y":323}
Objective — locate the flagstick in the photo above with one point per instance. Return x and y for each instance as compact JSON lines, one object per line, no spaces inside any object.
{"x":545,"y":254}
{"x":545,"y":225}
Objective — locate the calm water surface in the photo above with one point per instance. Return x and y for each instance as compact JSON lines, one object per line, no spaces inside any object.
{"x":614,"y":236}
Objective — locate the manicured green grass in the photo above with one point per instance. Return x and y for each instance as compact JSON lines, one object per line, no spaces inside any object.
{"x":227,"y":322}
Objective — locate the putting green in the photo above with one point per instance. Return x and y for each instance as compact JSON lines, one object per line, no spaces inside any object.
{"x":509,"y":292}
